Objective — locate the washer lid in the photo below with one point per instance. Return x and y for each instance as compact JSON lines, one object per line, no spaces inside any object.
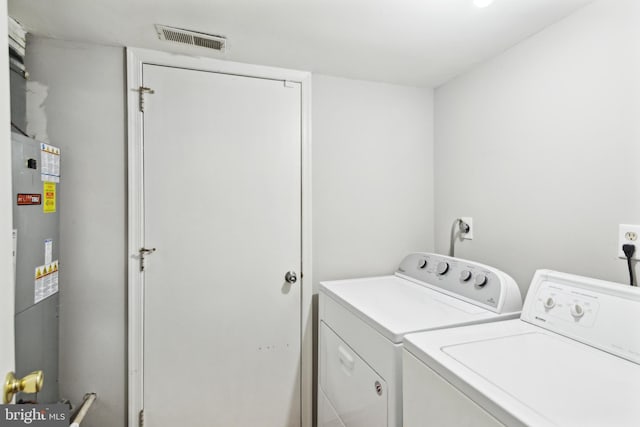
{"x":395,"y":306}
{"x":525,"y":375}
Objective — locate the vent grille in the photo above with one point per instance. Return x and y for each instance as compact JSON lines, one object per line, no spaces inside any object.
{"x":208,"y":43}
{"x":192,"y":38}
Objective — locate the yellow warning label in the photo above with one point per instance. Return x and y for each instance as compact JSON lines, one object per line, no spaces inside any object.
{"x":49,"y":196}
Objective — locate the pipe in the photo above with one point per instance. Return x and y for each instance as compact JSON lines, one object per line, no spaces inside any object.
{"x":89,"y":398}
{"x":462,"y":228}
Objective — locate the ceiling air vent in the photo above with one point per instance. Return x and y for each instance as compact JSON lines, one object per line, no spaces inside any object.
{"x":193,"y":38}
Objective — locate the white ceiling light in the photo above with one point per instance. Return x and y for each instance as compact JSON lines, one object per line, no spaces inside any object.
{"x":482,"y":3}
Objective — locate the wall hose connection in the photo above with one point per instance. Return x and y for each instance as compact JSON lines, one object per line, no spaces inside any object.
{"x":458,"y":229}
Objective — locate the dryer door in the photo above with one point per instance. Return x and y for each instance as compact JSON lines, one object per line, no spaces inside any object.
{"x":327,"y":416}
{"x":356,"y":392}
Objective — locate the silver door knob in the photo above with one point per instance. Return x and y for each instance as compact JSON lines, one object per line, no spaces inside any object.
{"x":291,"y":277}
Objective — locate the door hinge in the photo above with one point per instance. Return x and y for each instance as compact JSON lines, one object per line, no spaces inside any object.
{"x":288,"y":83}
{"x":141,"y":418}
{"x":142,"y":252}
{"x":141,"y":91}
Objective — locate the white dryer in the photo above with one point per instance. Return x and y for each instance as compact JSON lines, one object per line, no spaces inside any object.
{"x":571,"y":360}
{"x":363,"y":322}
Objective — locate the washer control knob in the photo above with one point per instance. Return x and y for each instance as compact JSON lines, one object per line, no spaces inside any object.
{"x":481,"y":280}
{"x":577,"y":311}
{"x":422,"y":263}
{"x":442,"y":268}
{"x":465,"y":275}
{"x":549,"y":303}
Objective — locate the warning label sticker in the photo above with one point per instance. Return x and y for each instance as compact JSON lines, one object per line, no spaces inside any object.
{"x":29,"y":199}
{"x":46,"y":281}
{"x":49,"y":190}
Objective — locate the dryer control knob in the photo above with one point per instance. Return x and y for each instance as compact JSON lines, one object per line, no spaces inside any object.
{"x":577,"y":311}
{"x":422,"y":263}
{"x":481,"y":280}
{"x":442,"y":268}
{"x":549,"y":303}
{"x":465,"y":275}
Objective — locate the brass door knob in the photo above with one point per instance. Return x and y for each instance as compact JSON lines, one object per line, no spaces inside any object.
{"x":31,"y":383}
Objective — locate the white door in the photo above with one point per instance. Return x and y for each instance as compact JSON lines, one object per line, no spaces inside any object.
{"x":6,"y":222}
{"x":222,"y":203}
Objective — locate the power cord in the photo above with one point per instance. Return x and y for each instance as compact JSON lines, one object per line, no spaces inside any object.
{"x":629,"y":250}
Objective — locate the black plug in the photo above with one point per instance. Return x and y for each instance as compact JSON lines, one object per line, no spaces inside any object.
{"x":629,"y":250}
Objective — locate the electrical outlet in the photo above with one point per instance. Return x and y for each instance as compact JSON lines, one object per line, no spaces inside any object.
{"x":469,"y":221}
{"x":629,"y":234}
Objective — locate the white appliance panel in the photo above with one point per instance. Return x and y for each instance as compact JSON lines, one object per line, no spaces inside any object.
{"x":602,"y":314}
{"x":357,"y":393}
{"x":476,"y":283}
{"x":432,"y":401}
{"x":365,"y":340}
{"x":327,"y":416}
{"x":595,"y":387}
{"x":395,"y":306}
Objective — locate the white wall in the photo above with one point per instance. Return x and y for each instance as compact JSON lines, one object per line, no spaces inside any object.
{"x":77,"y":102}
{"x":541,"y":144}
{"x":6,"y":220}
{"x":372,"y":176}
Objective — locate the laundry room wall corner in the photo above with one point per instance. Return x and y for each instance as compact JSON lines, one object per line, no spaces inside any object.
{"x":535,"y":145}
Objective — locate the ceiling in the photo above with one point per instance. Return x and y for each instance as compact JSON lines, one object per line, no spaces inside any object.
{"x":412,"y":42}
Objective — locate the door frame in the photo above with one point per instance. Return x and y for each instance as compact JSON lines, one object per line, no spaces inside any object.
{"x":136,"y":58}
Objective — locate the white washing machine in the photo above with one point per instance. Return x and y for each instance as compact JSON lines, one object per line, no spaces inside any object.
{"x":572,"y":359}
{"x":363,"y":322}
